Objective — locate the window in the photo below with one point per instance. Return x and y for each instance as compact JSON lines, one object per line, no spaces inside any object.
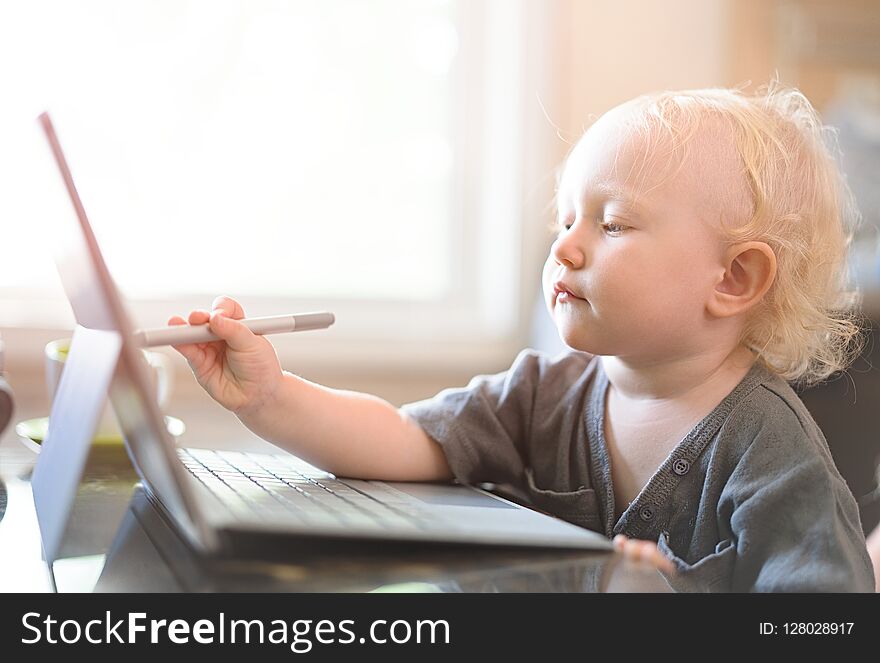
{"x":358,"y":157}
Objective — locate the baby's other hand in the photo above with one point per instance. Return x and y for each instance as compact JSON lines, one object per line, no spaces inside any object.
{"x":639,"y":550}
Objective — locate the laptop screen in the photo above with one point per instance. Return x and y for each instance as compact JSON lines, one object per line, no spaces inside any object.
{"x":97,"y":304}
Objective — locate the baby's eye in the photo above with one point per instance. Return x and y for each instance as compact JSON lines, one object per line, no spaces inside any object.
{"x":611,"y":228}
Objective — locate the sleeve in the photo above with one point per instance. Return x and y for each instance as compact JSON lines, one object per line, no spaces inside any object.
{"x":793,"y":524}
{"x":798,"y":532}
{"x":484,"y":427}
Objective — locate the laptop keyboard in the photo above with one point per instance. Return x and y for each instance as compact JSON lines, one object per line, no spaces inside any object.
{"x":273,"y":486}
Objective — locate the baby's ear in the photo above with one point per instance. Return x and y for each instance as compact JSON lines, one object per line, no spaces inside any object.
{"x":750,"y":268}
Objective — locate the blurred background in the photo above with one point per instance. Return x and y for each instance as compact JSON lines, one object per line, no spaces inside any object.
{"x":392,"y":161}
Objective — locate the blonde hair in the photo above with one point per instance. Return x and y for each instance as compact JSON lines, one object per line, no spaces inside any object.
{"x":807,"y":327}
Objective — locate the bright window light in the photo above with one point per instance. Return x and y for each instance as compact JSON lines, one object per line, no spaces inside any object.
{"x":295,"y":148}
{"x":365,"y":157}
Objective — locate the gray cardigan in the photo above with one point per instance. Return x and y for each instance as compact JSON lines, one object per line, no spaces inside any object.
{"x":749,"y":500}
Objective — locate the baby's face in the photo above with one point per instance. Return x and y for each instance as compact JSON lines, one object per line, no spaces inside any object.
{"x":642,"y":250}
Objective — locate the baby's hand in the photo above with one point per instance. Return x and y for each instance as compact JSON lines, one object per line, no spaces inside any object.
{"x":241,"y":371}
{"x":639,"y":550}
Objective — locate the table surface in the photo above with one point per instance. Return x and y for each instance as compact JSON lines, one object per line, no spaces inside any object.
{"x":117,"y":542}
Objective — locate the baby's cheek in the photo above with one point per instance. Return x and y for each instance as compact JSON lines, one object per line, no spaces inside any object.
{"x":634,"y":297}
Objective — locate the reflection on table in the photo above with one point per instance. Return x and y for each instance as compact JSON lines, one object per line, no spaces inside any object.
{"x":119,"y":541}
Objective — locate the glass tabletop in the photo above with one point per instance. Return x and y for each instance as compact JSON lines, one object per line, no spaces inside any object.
{"x":117,"y":540}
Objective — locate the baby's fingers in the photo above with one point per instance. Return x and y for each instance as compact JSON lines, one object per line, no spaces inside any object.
{"x":644,"y":551}
{"x":191,"y":351}
{"x":199,"y":317}
{"x":229,"y":307}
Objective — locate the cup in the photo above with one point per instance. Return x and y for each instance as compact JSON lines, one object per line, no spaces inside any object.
{"x":160,"y":370}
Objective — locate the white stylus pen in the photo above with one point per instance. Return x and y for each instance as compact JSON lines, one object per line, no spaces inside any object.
{"x":271,"y":324}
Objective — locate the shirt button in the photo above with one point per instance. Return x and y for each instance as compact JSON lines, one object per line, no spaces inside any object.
{"x":646,"y":512}
{"x":681,"y":467}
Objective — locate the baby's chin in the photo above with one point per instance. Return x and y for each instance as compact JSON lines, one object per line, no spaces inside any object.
{"x":578,"y":340}
{"x":584,"y":336}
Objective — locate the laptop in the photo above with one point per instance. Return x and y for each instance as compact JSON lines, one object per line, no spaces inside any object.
{"x":223,"y":501}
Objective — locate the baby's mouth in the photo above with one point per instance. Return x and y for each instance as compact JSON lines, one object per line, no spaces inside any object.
{"x":562,"y":293}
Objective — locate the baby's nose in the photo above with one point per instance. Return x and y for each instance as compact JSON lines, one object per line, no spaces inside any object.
{"x":568,"y":253}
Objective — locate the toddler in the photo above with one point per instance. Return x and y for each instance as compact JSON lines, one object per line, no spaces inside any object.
{"x":699,"y":268}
